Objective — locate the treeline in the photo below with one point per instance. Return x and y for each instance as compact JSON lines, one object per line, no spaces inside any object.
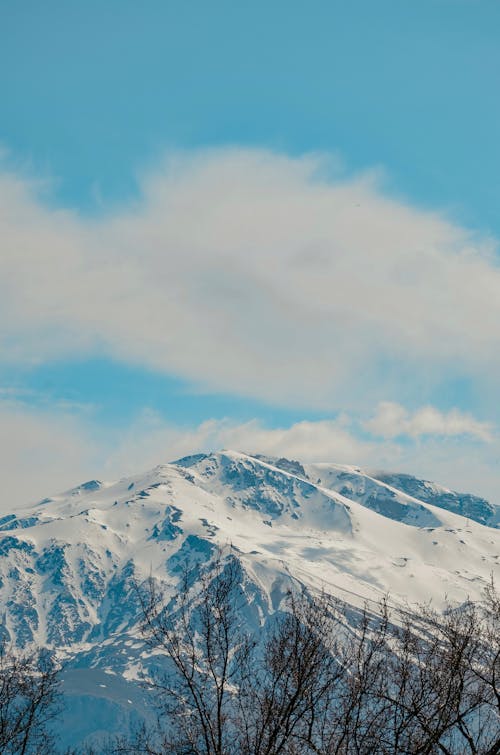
{"x":325,"y":679}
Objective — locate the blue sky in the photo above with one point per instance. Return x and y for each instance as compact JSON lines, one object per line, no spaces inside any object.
{"x":93,"y":92}
{"x":135,"y":135}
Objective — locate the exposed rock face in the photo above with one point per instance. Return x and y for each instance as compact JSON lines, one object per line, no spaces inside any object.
{"x":70,"y":567}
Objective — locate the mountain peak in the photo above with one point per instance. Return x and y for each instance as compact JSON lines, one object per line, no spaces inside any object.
{"x":69,"y":566}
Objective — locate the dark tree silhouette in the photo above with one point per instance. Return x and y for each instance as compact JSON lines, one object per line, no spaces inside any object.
{"x":29,"y":695}
{"x":201,"y":633}
{"x":386,"y":681}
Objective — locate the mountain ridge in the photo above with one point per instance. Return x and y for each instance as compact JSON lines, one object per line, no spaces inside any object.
{"x":70,"y":565}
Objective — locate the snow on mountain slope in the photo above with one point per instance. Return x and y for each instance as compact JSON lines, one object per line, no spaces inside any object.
{"x":397,"y":496}
{"x":470,"y":506}
{"x":68,"y":565}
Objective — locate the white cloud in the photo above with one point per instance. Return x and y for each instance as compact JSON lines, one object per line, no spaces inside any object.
{"x":392,"y":420}
{"x":254,"y":273}
{"x":44,"y":452}
{"x":41,"y":452}
{"x":456,"y":462}
{"x":150,"y":441}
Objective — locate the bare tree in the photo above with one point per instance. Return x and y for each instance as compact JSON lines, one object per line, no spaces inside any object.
{"x":29,"y":693}
{"x":480,"y":670}
{"x":201,"y":634}
{"x":318,"y":681}
{"x":357,"y":714}
{"x":432,"y":683}
{"x":291,"y":681}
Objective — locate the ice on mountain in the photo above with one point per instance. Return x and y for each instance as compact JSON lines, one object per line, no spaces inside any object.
{"x":74,"y":581}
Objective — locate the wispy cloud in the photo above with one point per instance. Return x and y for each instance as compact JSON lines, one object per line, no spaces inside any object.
{"x":392,"y":420}
{"x":326,"y":440}
{"x":254,"y":273}
{"x":260,"y":275}
{"x":42,"y":451}
{"x":45,"y":450}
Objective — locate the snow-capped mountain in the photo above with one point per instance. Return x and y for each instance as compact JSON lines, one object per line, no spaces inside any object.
{"x":69,"y":565}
